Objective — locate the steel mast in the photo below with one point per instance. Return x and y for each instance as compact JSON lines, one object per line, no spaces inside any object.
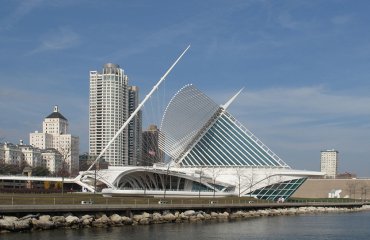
{"x":138,"y":108}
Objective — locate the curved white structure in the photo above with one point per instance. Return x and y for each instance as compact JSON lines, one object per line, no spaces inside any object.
{"x":212,"y":155}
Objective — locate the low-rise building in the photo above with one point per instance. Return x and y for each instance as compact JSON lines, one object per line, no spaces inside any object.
{"x":31,"y":155}
{"x":12,"y":154}
{"x":51,"y":159}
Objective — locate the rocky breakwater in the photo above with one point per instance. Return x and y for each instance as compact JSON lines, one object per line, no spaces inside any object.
{"x":45,"y":222}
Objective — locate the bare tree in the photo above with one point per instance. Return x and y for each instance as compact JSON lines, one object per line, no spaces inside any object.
{"x":65,"y":151}
{"x":201,"y":173}
{"x":250,"y":180}
{"x":215,"y":173}
{"x":240,"y":176}
{"x":351,"y":186}
{"x":165,"y":180}
{"x":363,"y":188}
{"x":268,"y":176}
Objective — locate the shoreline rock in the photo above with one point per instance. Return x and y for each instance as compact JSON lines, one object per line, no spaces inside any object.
{"x":101,"y":220}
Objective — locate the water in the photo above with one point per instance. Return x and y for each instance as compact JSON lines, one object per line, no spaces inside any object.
{"x":323,"y":226}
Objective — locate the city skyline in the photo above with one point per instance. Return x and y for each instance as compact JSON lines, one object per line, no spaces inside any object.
{"x":303,"y":65}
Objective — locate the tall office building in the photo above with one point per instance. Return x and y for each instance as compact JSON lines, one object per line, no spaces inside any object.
{"x":134,"y":127}
{"x":329,"y":161}
{"x":109,"y":109}
{"x":55,"y":135}
{"x":150,"y":150}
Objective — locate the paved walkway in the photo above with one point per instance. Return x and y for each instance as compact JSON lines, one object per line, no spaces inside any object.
{"x":91,"y":208}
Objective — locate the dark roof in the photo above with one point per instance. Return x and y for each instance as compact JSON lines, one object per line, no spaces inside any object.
{"x":56,"y":115}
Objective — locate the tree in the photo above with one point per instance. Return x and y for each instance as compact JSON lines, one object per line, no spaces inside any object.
{"x":201,"y":172}
{"x":40,"y":171}
{"x":215,"y":174}
{"x":352,"y":185}
{"x":363,"y":188}
{"x":10,"y":169}
{"x":65,"y":151}
{"x":240,"y":178}
{"x":164,"y":182}
{"x":250,"y":180}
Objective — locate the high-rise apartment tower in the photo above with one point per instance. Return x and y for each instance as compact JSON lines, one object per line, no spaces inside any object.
{"x":329,"y":163}
{"x":109,"y":109}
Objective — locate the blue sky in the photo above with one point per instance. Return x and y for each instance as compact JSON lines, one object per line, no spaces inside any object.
{"x":304,"y":65}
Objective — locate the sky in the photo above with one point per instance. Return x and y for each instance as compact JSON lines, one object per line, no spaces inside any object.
{"x":304,"y":66}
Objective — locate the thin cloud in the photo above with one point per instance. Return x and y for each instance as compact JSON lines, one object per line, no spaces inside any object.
{"x":197,"y":23}
{"x":313,"y":100}
{"x":341,"y":19}
{"x":61,"y":39}
{"x":286,"y":21}
{"x":23,"y":9}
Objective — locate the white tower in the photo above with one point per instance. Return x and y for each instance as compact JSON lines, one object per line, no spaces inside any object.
{"x":108,"y":111}
{"x":55,"y":134}
{"x":329,"y":163}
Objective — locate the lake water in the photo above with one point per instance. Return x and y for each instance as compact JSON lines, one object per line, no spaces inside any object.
{"x":321,"y":226}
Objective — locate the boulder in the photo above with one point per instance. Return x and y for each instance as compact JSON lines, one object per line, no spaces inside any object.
{"x":193,"y":218}
{"x":127,"y":220}
{"x":223,"y":215}
{"x":10,"y":218}
{"x":59,"y":221}
{"x":146,"y":215}
{"x":214,"y":215}
{"x":169,"y":217}
{"x":200,"y":216}
{"x":157,"y":217}
{"x":189,"y":213}
{"x":116,"y":219}
{"x":144,"y":221}
{"x":42,"y":224}
{"x":207,"y":216}
{"x":183,"y":216}
{"x":7,"y":224}
{"x":29,"y":216}
{"x":103,"y":221}
{"x":72,"y":220}
{"x":137,"y":217}
{"x":86,"y":220}
{"x":22,"y":225}
{"x":45,"y":218}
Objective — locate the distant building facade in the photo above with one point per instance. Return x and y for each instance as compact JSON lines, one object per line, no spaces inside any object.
{"x":329,"y":161}
{"x":87,"y":160}
{"x":52,"y":160}
{"x":111,"y":101}
{"x":31,"y":155}
{"x":56,"y":135}
{"x":150,"y":148}
{"x":11,"y":154}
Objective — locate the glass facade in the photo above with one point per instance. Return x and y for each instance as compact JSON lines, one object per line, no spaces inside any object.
{"x":278,"y":190}
{"x":226,"y":143}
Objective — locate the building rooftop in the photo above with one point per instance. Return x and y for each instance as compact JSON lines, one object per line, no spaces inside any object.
{"x":56,"y":114}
